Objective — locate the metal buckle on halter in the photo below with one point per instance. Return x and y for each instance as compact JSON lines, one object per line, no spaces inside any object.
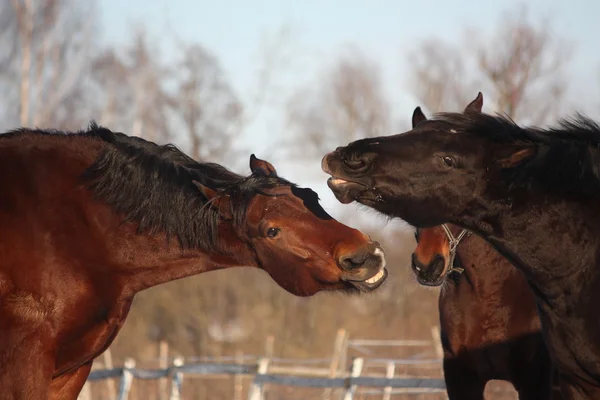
{"x":454,"y":242}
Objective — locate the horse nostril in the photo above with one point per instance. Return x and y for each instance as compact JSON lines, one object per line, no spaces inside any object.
{"x":437,"y":265}
{"x":353,"y":261}
{"x":416,"y":265}
{"x":367,"y":257}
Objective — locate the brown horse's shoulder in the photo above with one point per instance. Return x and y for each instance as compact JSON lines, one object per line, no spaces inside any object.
{"x":27,"y":309}
{"x":96,"y":333}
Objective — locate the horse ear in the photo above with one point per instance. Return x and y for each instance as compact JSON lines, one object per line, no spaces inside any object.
{"x":516,"y":156}
{"x":222,"y":203}
{"x":476,"y":105}
{"x":262,"y":166}
{"x":417,"y":117}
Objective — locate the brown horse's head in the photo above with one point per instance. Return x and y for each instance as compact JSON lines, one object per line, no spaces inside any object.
{"x":287,"y":233}
{"x":434,"y":257}
{"x":430,"y":260}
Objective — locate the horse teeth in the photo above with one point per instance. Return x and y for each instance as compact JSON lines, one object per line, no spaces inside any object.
{"x":376,"y":278}
{"x":338,"y":181}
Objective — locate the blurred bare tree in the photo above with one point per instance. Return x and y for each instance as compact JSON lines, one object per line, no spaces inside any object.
{"x":346,"y":103}
{"x":48,"y":47}
{"x":133,"y":86}
{"x":208,"y":107}
{"x":115,"y":95}
{"x":520,"y":69}
{"x":209,"y":111}
{"x":438,"y":76}
{"x":149,"y":77}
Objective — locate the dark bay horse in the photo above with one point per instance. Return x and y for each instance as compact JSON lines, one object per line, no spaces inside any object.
{"x":489,"y":324}
{"x":88,"y":219}
{"x":532,"y":193}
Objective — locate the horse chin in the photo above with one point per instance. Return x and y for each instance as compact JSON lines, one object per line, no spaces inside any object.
{"x":431,"y":282}
{"x":346,"y":191}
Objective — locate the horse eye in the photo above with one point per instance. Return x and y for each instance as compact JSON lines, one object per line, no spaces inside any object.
{"x":273,"y":232}
{"x":449,"y":161}
{"x":354,"y":164}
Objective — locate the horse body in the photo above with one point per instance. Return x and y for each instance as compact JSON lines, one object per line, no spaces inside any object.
{"x":531,"y":193}
{"x":488,"y":319}
{"x":489,"y":324}
{"x":563,"y":275}
{"x":88,"y":220}
{"x":59,"y":301}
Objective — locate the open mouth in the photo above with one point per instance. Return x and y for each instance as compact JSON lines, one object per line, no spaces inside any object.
{"x":368,"y":285}
{"x":339,"y":182}
{"x":345,"y":191}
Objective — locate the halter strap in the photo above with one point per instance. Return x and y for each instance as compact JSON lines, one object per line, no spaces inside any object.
{"x":454,"y":242}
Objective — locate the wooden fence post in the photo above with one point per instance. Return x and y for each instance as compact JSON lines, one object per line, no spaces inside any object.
{"x":269,"y":350}
{"x":439,"y":349}
{"x":163,"y":363}
{"x":357,"y":365}
{"x":108,"y":364}
{"x":177,"y":380}
{"x":389,"y":373}
{"x":256,"y":390}
{"x":126,"y":379}
{"x":337,"y":359}
{"x":238,"y":379}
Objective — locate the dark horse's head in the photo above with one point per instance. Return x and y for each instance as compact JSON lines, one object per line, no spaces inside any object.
{"x":289,"y":235}
{"x":435,"y":254}
{"x":423,"y":175}
{"x":467,"y":168}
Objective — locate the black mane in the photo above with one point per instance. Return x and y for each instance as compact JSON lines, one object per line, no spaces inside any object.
{"x":567,"y":157}
{"x":152,"y":185}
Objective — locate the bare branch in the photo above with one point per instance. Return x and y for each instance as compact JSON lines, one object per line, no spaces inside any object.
{"x":348,"y":104}
{"x":25,"y":15}
{"x":437,"y":77}
{"x":520,"y":69}
{"x":208,"y":107}
{"x":148,"y":77}
{"x":524,"y":69}
{"x":50,"y":39}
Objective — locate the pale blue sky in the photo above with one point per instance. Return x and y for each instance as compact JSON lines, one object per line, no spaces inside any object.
{"x":383,"y":30}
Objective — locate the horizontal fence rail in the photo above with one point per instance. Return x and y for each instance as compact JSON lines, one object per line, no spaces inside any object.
{"x":151,"y":374}
{"x":179,"y":370}
{"x":361,"y":375}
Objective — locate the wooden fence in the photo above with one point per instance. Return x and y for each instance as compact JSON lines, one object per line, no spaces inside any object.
{"x":328,"y":374}
{"x":386,"y":386}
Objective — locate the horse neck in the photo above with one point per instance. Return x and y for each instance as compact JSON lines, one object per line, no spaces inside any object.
{"x":89,"y":237}
{"x":553,"y":242}
{"x":144,"y":261}
{"x":484,"y":269}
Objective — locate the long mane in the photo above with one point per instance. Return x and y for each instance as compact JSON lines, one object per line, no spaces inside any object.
{"x":152,"y":185}
{"x":567,"y":156}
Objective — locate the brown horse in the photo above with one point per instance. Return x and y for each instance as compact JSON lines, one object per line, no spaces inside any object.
{"x":89,"y":219}
{"x":489,"y":324}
